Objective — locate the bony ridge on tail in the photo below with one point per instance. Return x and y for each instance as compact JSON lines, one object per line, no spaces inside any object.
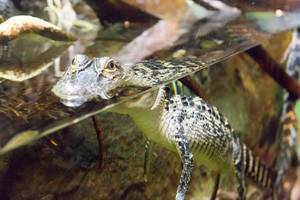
{"x":186,"y":125}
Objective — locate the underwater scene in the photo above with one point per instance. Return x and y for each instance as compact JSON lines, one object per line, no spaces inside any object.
{"x":149,"y":99}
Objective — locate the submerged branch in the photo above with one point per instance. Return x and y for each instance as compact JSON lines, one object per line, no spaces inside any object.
{"x":17,"y":25}
{"x":100,"y":141}
{"x":270,"y":66}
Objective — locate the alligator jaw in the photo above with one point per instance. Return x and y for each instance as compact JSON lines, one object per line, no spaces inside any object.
{"x":73,"y":101}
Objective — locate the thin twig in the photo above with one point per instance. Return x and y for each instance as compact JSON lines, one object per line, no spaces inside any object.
{"x":270,"y":66}
{"x":100,"y":140}
{"x":216,"y":187}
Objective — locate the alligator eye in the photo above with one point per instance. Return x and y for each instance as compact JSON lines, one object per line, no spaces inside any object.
{"x":111,"y":66}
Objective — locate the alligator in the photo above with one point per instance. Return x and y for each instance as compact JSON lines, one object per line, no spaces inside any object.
{"x":288,"y":134}
{"x":188,"y":125}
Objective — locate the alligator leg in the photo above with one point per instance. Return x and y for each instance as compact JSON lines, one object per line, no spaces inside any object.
{"x":239,"y":172}
{"x":240,"y":181}
{"x":147,"y":160}
{"x":186,"y":157}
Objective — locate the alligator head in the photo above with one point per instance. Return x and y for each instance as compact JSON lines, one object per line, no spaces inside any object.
{"x":88,"y":78}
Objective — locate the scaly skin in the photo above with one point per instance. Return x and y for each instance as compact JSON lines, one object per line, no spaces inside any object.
{"x":289,"y":122}
{"x":187,"y":125}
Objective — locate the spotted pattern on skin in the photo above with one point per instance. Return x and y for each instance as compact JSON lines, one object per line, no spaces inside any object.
{"x":210,"y":135}
{"x":155,"y":72}
{"x":207,"y":131}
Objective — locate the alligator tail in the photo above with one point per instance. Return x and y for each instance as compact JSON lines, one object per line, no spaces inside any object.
{"x":257,"y":172}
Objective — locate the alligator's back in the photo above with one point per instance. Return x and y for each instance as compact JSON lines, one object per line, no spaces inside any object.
{"x":155,"y":72}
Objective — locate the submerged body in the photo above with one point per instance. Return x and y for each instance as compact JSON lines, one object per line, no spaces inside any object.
{"x":211,"y":139}
{"x":186,"y":125}
{"x":201,"y":122}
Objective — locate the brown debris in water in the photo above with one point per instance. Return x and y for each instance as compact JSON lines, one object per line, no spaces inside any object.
{"x":18,"y":25}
